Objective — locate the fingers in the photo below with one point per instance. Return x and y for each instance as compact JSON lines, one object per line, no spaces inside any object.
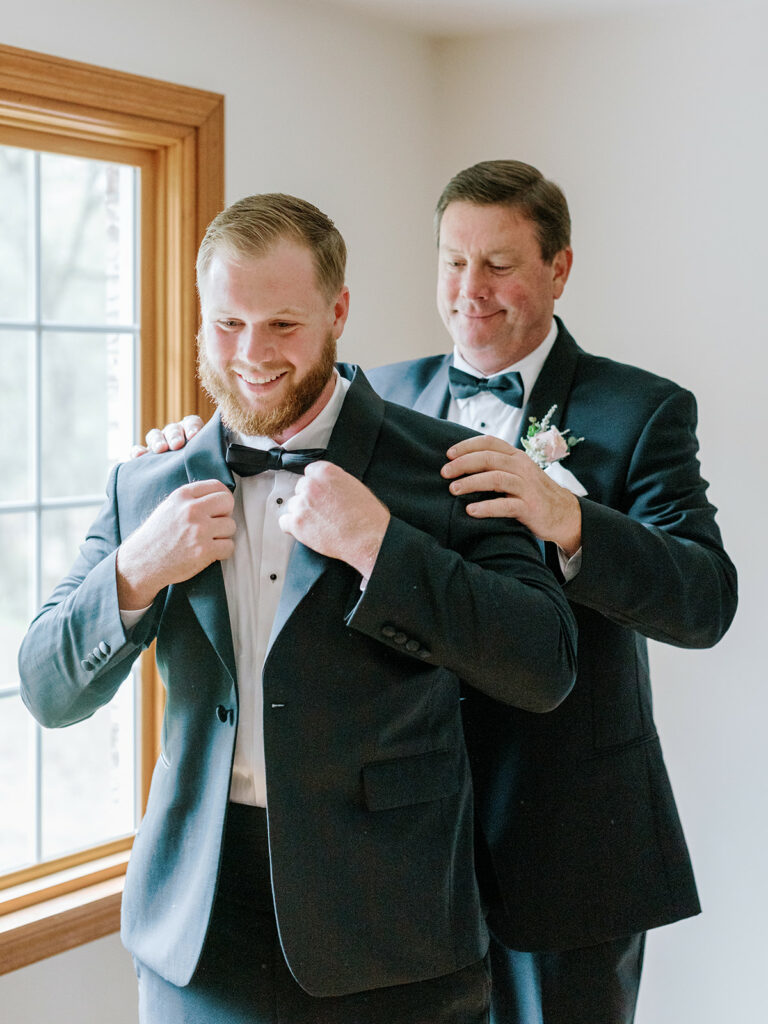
{"x":173,"y":435}
{"x":491,"y":480}
{"x":137,"y":450}
{"x":483,"y":442}
{"x":496,"y":508}
{"x":483,"y":459}
{"x":191,"y":425}
{"x":155,"y":440}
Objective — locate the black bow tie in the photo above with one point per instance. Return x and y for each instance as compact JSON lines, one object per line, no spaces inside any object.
{"x":247,"y":461}
{"x":506,"y":386}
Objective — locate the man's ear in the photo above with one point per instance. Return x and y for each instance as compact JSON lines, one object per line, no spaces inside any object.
{"x":340,"y":312}
{"x":561,"y":268}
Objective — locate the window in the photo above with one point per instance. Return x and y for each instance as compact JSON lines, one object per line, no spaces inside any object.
{"x":137,"y":166}
{"x":69,"y":348}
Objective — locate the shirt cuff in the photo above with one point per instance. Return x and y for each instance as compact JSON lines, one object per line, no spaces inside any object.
{"x":569,"y":567}
{"x":130,"y":618}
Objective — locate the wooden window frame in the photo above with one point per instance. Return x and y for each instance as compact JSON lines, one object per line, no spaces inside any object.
{"x":175,"y":134}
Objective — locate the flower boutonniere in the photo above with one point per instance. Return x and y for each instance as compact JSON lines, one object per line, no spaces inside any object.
{"x":546,"y":444}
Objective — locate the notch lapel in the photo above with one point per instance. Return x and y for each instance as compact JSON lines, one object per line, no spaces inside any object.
{"x":435,"y":398}
{"x":204,"y":460}
{"x":553,"y":385}
{"x":350,"y":447}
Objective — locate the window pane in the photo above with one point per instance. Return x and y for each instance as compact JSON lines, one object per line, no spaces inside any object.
{"x":17,"y":798}
{"x":87,"y":228}
{"x":63,"y":531}
{"x":87,"y":779}
{"x":16,"y":169}
{"x":16,"y":593}
{"x":87,"y":410}
{"x":16,"y":352}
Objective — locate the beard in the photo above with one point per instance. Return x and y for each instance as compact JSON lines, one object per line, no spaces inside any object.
{"x":236,"y":414}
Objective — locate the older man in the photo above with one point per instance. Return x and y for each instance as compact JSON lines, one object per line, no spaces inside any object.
{"x":307,"y":850}
{"x":580,"y":845}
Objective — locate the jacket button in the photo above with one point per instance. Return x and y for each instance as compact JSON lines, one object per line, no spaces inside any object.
{"x":388,"y":631}
{"x":412,"y":645}
{"x":400,"y":638}
{"x":222,"y":713}
{"x":86,"y":665}
{"x":104,"y":647}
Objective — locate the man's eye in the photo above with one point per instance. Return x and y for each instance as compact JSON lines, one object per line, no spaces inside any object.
{"x":284,"y":325}
{"x":498,"y":266}
{"x":229,"y":324}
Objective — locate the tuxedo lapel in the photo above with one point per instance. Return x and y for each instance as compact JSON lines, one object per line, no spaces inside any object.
{"x":553,"y":385}
{"x":350,"y":447}
{"x":204,"y":460}
{"x":435,"y":398}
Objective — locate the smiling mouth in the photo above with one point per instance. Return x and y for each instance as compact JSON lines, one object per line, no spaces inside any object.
{"x":259,"y":381}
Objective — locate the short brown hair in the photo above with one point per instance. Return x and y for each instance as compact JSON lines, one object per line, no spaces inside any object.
{"x":252,"y":225}
{"x":512,"y":183}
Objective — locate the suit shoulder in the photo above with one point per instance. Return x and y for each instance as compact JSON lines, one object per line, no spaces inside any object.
{"x":622,"y":386}
{"x":411,"y":375}
{"x":425,"y":431}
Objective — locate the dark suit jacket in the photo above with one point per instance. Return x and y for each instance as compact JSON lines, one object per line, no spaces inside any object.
{"x":575,"y":807}
{"x":369,"y":795}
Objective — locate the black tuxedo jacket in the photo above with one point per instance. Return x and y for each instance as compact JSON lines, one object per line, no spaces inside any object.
{"x":575,"y":807}
{"x":369,"y":795}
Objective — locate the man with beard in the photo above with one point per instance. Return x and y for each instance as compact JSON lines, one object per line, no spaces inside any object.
{"x":306,"y":855}
{"x":581,"y":845}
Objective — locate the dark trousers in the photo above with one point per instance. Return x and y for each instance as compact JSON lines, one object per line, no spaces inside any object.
{"x":242,"y":976}
{"x":593,"y":985}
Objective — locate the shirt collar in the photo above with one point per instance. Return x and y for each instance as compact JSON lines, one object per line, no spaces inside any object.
{"x":529,"y":367}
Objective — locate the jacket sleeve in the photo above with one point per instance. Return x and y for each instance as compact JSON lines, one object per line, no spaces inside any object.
{"x":76,"y":653}
{"x":485,"y":607}
{"x":657,"y":564}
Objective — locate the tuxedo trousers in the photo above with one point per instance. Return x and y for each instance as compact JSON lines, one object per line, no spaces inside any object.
{"x":242,"y":976}
{"x":592,"y":985}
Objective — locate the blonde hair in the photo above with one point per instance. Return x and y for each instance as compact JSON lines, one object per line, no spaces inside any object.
{"x":252,"y":225}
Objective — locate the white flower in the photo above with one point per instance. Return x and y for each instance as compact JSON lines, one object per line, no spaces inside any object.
{"x":545,"y":444}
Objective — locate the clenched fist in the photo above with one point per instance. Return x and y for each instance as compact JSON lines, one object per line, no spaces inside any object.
{"x":336,"y":515}
{"x":190,"y":529}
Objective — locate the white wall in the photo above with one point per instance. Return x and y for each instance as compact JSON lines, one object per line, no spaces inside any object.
{"x":655,"y":126}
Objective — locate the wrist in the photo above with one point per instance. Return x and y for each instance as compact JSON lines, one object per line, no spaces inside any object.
{"x":568,"y":537}
{"x":136,"y":588}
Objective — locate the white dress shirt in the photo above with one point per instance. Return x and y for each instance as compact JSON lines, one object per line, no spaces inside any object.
{"x":253,"y":580}
{"x":487,"y":414}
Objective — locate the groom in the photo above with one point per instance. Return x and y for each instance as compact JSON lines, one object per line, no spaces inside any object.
{"x":307,"y":849}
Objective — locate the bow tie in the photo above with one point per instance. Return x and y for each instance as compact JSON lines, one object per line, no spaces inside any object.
{"x":247,"y":461}
{"x":506,"y":386}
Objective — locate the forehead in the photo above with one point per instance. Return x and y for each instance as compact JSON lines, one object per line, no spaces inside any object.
{"x":283,"y":277}
{"x":486,"y":228}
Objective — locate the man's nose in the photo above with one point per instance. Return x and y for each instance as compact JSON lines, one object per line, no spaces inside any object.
{"x":474,"y":282}
{"x":256,"y":344}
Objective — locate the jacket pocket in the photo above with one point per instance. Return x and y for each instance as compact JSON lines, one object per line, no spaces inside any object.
{"x":410,"y":780}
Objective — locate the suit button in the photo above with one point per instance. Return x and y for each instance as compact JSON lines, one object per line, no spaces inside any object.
{"x":400,"y":638}
{"x":412,"y":645}
{"x":104,"y":647}
{"x":388,"y":631}
{"x":424,"y":653}
{"x":87,"y":665}
{"x":222,"y":713}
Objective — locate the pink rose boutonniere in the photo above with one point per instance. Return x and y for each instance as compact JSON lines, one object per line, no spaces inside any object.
{"x":546,"y":444}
